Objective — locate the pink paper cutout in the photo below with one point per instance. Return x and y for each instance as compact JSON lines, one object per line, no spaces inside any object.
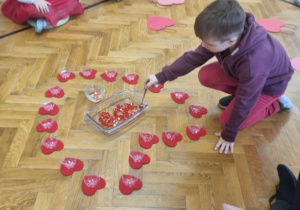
{"x":170,"y":2}
{"x":271,"y":24}
{"x":296,"y":63}
{"x":159,"y":23}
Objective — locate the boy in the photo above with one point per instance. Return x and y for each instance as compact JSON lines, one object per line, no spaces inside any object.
{"x":252,"y":66}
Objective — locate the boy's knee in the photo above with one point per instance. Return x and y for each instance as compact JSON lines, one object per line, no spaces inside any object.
{"x":203,"y":76}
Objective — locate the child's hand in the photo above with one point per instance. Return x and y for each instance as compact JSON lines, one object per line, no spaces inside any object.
{"x":42,"y":6}
{"x":224,"y":145}
{"x":150,"y":80}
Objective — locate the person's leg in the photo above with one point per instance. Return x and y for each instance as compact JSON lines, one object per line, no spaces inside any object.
{"x":296,"y":201}
{"x":281,"y":205}
{"x":213,"y":76}
{"x":265,"y":107}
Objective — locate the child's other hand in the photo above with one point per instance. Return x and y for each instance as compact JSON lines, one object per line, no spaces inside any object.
{"x":42,"y":6}
{"x":224,"y":145}
{"x":150,"y":80}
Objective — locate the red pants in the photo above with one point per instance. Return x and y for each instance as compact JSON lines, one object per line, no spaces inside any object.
{"x":213,"y":76}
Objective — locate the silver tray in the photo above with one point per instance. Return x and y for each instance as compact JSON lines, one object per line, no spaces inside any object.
{"x":107,"y":105}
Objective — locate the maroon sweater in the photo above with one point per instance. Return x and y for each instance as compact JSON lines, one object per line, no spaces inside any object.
{"x":259,"y":64}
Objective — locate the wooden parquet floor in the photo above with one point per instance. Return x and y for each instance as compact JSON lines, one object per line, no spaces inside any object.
{"x":114,"y":35}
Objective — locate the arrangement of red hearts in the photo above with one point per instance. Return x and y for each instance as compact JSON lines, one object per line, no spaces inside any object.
{"x":159,"y":23}
{"x":170,"y":2}
{"x":171,"y":138}
{"x":156,"y":88}
{"x":50,"y":145}
{"x":179,"y":97}
{"x":197,"y":111}
{"x":296,"y":63}
{"x":147,"y":139}
{"x":194,"y":132}
{"x":49,"y":108}
{"x":49,"y":125}
{"x":56,"y":92}
{"x":109,"y":76}
{"x":69,"y":165}
{"x":88,"y":73}
{"x":92,"y":183}
{"x":129,"y":183}
{"x":65,"y":75}
{"x":137,"y":159}
{"x":131,"y":79}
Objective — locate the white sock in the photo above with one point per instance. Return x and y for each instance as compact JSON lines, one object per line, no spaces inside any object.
{"x":285,"y":101}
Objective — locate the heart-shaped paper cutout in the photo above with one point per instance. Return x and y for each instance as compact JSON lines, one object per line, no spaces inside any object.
{"x":156,"y":88}
{"x":49,"y":108}
{"x":64,"y":76}
{"x":88,"y":73}
{"x":50,"y":145}
{"x":195,"y":132}
{"x":179,"y":97}
{"x":159,"y":23}
{"x":69,"y":165}
{"x":131,"y":79}
{"x":171,"y":138}
{"x":170,"y":2}
{"x":296,"y":63}
{"x":129,"y":183}
{"x":109,"y":76}
{"x":271,"y":24}
{"x":92,"y":183}
{"x":56,"y":92}
{"x":49,"y":125}
{"x":197,"y":111}
{"x":147,"y":139}
{"x":137,"y":159}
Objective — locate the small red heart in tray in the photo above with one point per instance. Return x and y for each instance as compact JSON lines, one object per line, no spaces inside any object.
{"x":179,"y":97}
{"x":109,"y":76}
{"x":137,"y":159}
{"x":156,"y":88}
{"x":195,"y":132}
{"x":147,"y":139}
{"x":88,"y":73}
{"x":92,"y":183}
{"x":171,"y":138}
{"x":129,"y":183}
{"x":131,"y":79}
{"x":197,"y":111}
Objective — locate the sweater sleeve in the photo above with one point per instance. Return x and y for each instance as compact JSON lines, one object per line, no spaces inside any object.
{"x":26,"y":1}
{"x":184,"y":64}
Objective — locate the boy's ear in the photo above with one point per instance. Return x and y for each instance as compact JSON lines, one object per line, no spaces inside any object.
{"x":232,"y":40}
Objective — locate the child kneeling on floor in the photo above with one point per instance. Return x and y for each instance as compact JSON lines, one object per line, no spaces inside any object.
{"x":252,"y":66}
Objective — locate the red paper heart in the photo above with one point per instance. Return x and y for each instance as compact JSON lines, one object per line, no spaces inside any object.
{"x":137,"y":159}
{"x":109,"y":76}
{"x":197,"y":111}
{"x":129,"y":183}
{"x":50,"y":145}
{"x":131,"y":79}
{"x":271,"y":24}
{"x":179,"y":97}
{"x":158,"y":23}
{"x":69,"y":165}
{"x":64,"y":76}
{"x":88,"y":73}
{"x":170,"y":2}
{"x":92,"y":183}
{"x":147,"y":139}
{"x":195,"y":132}
{"x":56,"y":92}
{"x":156,"y":88}
{"x":171,"y":138}
{"x":49,"y":108}
{"x":49,"y":125}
